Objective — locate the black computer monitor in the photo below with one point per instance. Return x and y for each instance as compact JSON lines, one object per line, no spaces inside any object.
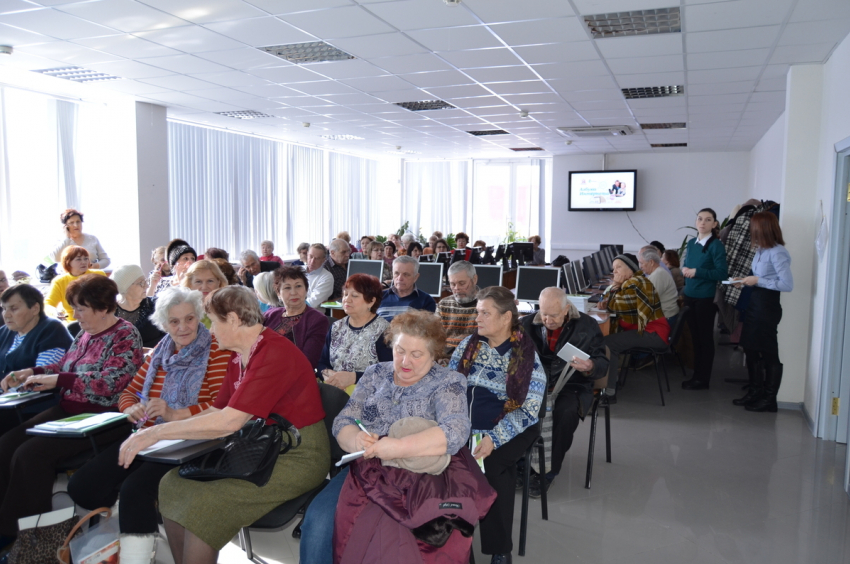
{"x":523,"y":252}
{"x":578,"y":273}
{"x":599,"y":261}
{"x":362,"y":266}
{"x":609,"y":253}
{"x":531,"y":280}
{"x":618,"y":249}
{"x":430,"y":278}
{"x":427,"y":258}
{"x":570,"y":284}
{"x":444,"y":258}
{"x":488,"y":257}
{"x":590,"y":273}
{"x":488,"y":275}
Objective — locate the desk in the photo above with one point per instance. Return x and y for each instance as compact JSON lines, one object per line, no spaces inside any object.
{"x":19,"y":404}
{"x":81,"y":434}
{"x":182,"y":452}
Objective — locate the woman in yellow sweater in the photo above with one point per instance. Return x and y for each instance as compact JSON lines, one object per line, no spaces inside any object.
{"x":75,"y":261}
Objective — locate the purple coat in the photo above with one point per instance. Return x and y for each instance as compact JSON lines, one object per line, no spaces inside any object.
{"x":309,"y":333}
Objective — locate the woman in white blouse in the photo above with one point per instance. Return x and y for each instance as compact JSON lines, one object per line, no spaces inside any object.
{"x":72,"y":220}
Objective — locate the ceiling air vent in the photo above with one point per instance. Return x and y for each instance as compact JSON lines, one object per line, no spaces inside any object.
{"x":425,"y":105}
{"x":342,"y":137}
{"x":676,"y":125}
{"x":662,"y":145}
{"x":312,"y":52}
{"x":637,"y":22}
{"x":521,"y":149}
{"x":78,"y":74}
{"x":652,"y":92}
{"x":244,"y":114}
{"x":488,"y":132}
{"x":592,"y":132}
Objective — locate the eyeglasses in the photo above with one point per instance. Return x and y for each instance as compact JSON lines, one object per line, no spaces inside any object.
{"x":143,"y":284}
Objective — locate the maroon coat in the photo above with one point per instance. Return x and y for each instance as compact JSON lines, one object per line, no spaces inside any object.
{"x":309,"y":333}
{"x":388,"y":514}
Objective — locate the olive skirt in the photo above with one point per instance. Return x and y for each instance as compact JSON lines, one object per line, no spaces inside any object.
{"x":216,"y":511}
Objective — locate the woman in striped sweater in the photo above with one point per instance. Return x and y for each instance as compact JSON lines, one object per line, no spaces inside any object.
{"x":180,"y":379}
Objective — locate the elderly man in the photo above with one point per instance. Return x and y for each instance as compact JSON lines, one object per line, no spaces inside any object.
{"x":458,"y":312}
{"x":267,"y":250}
{"x":320,"y":282}
{"x":337,"y":265}
{"x":649,"y":260}
{"x":251,"y":266}
{"x":403,"y":294}
{"x":556,"y":323}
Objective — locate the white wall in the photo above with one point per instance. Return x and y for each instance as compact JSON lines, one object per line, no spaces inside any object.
{"x":766,"y":163}
{"x":152,"y":175}
{"x":671,"y":189}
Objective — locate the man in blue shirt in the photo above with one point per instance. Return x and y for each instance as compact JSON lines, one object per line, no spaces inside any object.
{"x":403,"y":294}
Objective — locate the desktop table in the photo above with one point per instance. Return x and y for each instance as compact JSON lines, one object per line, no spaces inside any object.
{"x":81,"y":434}
{"x":20,"y":403}
{"x":182,"y":452}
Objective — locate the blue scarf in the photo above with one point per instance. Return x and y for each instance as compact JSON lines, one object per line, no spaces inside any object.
{"x":184,"y":371}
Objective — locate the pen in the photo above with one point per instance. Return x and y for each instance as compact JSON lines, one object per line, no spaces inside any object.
{"x":362,"y":428}
{"x":144,"y":419}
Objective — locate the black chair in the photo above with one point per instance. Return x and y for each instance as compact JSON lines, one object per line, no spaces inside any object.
{"x":675,"y":335}
{"x":333,"y":400}
{"x":600,"y":400}
{"x":526,"y":480}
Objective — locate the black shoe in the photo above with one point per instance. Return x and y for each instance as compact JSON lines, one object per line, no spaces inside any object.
{"x":694,"y":384}
{"x":501,"y":559}
{"x":534,"y":489}
{"x":751,"y":397}
{"x":772,"y":381}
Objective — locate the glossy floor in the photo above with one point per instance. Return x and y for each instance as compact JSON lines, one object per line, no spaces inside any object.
{"x":697,"y":481}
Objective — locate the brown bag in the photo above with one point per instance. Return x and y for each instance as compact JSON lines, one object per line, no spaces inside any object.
{"x":63,"y":553}
{"x":38,"y":544}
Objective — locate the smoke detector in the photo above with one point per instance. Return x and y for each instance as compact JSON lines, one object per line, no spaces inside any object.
{"x":451,"y":2}
{"x":592,"y":132}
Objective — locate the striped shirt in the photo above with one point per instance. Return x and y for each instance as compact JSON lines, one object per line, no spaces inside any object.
{"x":50,"y":356}
{"x":393,"y":305}
{"x":458,"y":321}
{"x":216,"y":370}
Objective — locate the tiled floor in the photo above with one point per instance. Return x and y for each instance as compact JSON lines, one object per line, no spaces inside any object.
{"x":697,"y":481}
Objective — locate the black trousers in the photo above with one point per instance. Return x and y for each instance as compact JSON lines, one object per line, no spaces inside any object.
{"x":565,"y":419}
{"x":28,"y":467}
{"x":701,"y":323}
{"x":101,"y":480}
{"x":500,"y":470}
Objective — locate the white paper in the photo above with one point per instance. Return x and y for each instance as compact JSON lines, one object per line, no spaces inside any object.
{"x":569,"y":351}
{"x":46,"y":519}
{"x":159,"y":445}
{"x":94,"y":421}
{"x":15,"y":396}
{"x":349,"y":457}
{"x":729,"y":282}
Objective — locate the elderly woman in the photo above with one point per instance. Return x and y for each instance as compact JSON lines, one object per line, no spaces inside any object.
{"x":180,"y":379}
{"x":92,"y":374}
{"x":76,"y":263}
{"x":227,"y":270}
{"x":506,"y":384}
{"x":389,"y":253}
{"x":539,"y":254}
{"x":180,"y":257}
{"x":412,"y":385}
{"x":441,"y":246}
{"x":206,"y":277}
{"x":133,"y":305}
{"x":414,"y":250}
{"x":267,"y":253}
{"x":302,"y":250}
{"x":72,"y":224}
{"x":376,"y":252}
{"x":354,"y":343}
{"x":265,"y":375}
{"x":670,"y":259}
{"x":265,"y":290}
{"x":160,"y":267}
{"x":304,"y":326}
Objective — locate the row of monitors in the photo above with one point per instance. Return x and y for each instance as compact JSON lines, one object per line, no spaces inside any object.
{"x":430,"y":274}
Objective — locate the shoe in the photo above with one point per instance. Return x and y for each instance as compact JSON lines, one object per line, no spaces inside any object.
{"x":755,"y":389}
{"x":772,"y":381}
{"x":501,"y":559}
{"x":534,"y":489}
{"x":694,"y":384}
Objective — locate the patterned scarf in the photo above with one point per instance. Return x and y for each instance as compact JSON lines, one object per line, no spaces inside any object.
{"x":519,"y":371}
{"x":636,"y":302}
{"x":184,"y":370}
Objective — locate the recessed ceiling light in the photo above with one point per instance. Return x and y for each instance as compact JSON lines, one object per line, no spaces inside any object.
{"x":244,"y":114}
{"x":662,"y":145}
{"x":636,"y":22}
{"x":312,"y":52}
{"x":78,"y":74}
{"x":521,"y":149}
{"x":425,"y":105}
{"x":342,"y":137}
{"x":405,"y":152}
{"x":488,"y":132}
{"x":652,"y":92}
{"x":674,"y":125}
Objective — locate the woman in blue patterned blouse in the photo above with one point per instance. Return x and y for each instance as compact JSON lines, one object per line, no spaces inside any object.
{"x":506,"y":386}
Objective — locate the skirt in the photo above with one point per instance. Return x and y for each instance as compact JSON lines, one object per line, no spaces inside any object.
{"x":216,"y":511}
{"x":761,"y":321}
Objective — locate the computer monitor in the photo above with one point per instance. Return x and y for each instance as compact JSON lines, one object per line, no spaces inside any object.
{"x":599,"y":261}
{"x":427,"y":258}
{"x":618,"y":249}
{"x":488,"y":275}
{"x":444,"y":258}
{"x":609,"y":253}
{"x":523,"y":252}
{"x":362,"y":266}
{"x":578,"y":273}
{"x":430,"y":278}
{"x":531,"y":280}
{"x":570,"y":284}
{"x":590,"y":273}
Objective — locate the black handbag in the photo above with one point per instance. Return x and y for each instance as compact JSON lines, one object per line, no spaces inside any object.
{"x":248,"y":454}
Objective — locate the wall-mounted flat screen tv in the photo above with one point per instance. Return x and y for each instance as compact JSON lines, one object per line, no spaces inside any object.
{"x":602,"y":190}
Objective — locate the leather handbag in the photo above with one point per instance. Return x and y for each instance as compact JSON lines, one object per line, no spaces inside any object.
{"x":38,"y":544}
{"x":249,"y":454}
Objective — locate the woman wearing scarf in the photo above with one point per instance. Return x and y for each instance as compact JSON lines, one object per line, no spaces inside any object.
{"x":180,"y":257}
{"x":180,"y":379}
{"x":506,"y":383}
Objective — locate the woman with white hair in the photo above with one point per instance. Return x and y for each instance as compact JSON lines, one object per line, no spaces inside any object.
{"x":133,"y":305}
{"x":180,"y":379}
{"x":265,"y":291}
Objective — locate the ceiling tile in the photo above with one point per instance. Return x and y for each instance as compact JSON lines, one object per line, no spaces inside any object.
{"x":523,"y":87}
{"x":437,"y":78}
{"x":776,"y":71}
{"x":355,"y":99}
{"x":814,"y":10}
{"x":286,"y":74}
{"x":478,"y":58}
{"x":464,"y":91}
{"x":19,"y":37}
{"x":721,"y":88}
{"x":128,"y":46}
{"x":7,"y":6}
{"x":179,"y":83}
{"x":259,"y":32}
{"x":541,"y":31}
{"x":186,"y":64}
{"x":657,"y":45}
{"x":571,"y":70}
{"x":407,"y":95}
{"x":348,"y":21}
{"x":378,"y":84}
{"x":558,"y":52}
{"x":25,"y":61}
{"x":720,"y":99}
{"x":723,"y":75}
{"x":190,"y":101}
{"x":132,"y":87}
{"x":771,"y":84}
{"x":732,"y":39}
{"x":641,"y":65}
{"x":715,"y":109}
{"x":456,"y":38}
{"x":494,"y":11}
{"x":191,"y":39}
{"x":123,"y":15}
{"x":801,"y":54}
{"x":56,"y":24}
{"x":420,"y":14}
{"x":772,"y":97}
{"x":356,"y":68}
{"x":501,"y":74}
{"x":322,"y":87}
{"x":727,"y":59}
{"x":651,"y":79}
{"x":379,"y":45}
{"x":220,"y":94}
{"x":476,"y":102}
{"x":730,"y":15}
{"x":525,"y":99}
{"x":243,"y":59}
{"x":582,"y":83}
{"x":594,"y":95}
{"x":583,"y":106}
{"x":69,"y":53}
{"x":207,"y":11}
{"x":129,"y":69}
{"x":422,"y":62}
{"x":264,"y":89}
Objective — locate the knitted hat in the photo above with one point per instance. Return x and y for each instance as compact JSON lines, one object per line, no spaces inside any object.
{"x":176,"y":249}
{"x":630,"y":260}
{"x":125,"y":276}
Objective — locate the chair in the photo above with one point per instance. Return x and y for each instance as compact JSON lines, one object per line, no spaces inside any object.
{"x":333,"y":400}
{"x":675,"y":335}
{"x":600,"y":400}
{"x":526,"y":479}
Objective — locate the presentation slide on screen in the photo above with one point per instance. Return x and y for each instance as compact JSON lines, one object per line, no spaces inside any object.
{"x":602,"y":190}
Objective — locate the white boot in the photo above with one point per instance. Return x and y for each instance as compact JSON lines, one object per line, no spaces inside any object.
{"x":138,"y":549}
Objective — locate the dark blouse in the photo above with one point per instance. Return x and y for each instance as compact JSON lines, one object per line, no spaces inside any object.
{"x":140,"y":318}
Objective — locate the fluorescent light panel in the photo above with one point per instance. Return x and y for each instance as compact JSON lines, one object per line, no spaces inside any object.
{"x":425,"y":105}
{"x":78,"y":74}
{"x":652,"y":92}
{"x":342,"y":137}
{"x":663,"y":145}
{"x":674,"y":125}
{"x":636,"y":22}
{"x":488,"y":132}
{"x":244,"y":114}
{"x":303,"y":53}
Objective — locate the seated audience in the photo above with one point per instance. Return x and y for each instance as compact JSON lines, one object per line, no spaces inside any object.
{"x":462,"y":240}
{"x":395,"y":240}
{"x":649,"y":261}
{"x":412,"y":385}
{"x":320,"y":281}
{"x":133,"y":305}
{"x":539,"y":254}
{"x":457,"y":312}
{"x":180,"y":257}
{"x":345,"y":236}
{"x":304,"y":326}
{"x":179,"y":380}
{"x":97,"y":367}
{"x":670,"y":258}
{"x":302,"y":250}
{"x":659,"y":246}
{"x":506,"y":385}
{"x":355,"y":342}
{"x":216,"y":253}
{"x":267,"y":253}
{"x":376,"y":252}
{"x":404,"y":294}
{"x":337,"y":265}
{"x":414,"y":250}
{"x":206,"y":277}
{"x":389,"y":253}
{"x":640,"y":319}
{"x":441,"y":246}
{"x":227,"y":270}
{"x":364,"y":243}
{"x":251,"y":266}
{"x":265,"y":292}
{"x":265,"y":375}
{"x":432,"y":241}
{"x":72,"y":224}
{"x":556,"y":323}
{"x":480,"y":244}
{"x":4,"y":283}
{"x":407,"y":239}
{"x":75,"y":263}
{"x":160,"y":265}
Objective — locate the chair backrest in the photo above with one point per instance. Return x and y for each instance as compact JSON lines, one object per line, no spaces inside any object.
{"x":333,"y":400}
{"x":676,"y":330}
{"x":602,"y":383}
